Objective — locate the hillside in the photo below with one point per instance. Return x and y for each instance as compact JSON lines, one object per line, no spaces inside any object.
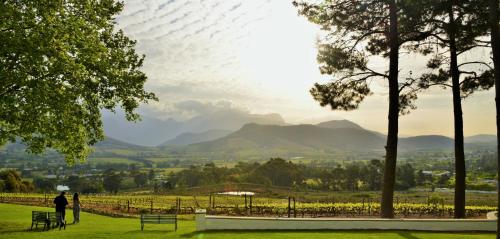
{"x":481,"y":138}
{"x":192,"y":138}
{"x":328,"y":136}
{"x":152,"y":131}
{"x":339,"y":124}
{"x":425,"y":142}
{"x":111,"y":143}
{"x":296,"y":137}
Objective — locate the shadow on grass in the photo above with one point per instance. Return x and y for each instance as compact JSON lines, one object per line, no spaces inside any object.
{"x":150,"y":231}
{"x":239,"y":232}
{"x":407,"y":235}
{"x":403,"y":234}
{"x":11,"y":227}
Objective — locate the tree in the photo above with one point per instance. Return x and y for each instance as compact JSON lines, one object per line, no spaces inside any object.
{"x":112,"y":181}
{"x":44,"y":185}
{"x":140,"y":179}
{"x":373,"y":174}
{"x":405,"y":178}
{"x":61,"y":63}
{"x":456,"y":26}
{"x":357,"y":31}
{"x":279,"y":173}
{"x":421,"y":179}
{"x":12,"y":182}
{"x":151,"y":175}
{"x":352,"y":176}
{"x":495,"y":45}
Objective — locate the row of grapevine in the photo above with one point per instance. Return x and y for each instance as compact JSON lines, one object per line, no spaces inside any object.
{"x":136,"y":204}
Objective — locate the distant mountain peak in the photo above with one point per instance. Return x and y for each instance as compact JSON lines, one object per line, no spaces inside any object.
{"x":153,"y":131}
{"x":339,"y":124}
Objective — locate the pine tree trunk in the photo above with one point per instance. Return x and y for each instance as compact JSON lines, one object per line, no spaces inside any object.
{"x":495,"y":44}
{"x":387,"y":208}
{"x":458,"y":118}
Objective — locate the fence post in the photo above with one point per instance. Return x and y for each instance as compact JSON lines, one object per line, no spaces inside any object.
{"x":294,"y":210}
{"x":442,"y":205}
{"x":128,"y":206}
{"x":179,"y":205}
{"x":151,"y":206}
{"x":289,"y":206}
{"x":251,"y":204}
{"x":246,"y":207}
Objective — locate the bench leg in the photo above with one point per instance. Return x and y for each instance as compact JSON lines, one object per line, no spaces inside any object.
{"x":175,"y":225}
{"x":142,"y":227}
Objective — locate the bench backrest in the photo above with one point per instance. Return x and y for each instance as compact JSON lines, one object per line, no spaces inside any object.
{"x":38,"y":216}
{"x":158,"y":218}
{"x":53,"y":215}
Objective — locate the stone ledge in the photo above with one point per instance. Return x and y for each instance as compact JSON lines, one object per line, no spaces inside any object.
{"x":205,"y":222}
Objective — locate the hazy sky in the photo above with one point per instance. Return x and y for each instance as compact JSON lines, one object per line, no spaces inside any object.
{"x":260,"y":56}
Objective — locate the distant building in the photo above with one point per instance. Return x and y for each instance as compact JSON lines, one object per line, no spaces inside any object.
{"x":61,"y":188}
{"x":50,"y":176}
{"x":427,"y":173}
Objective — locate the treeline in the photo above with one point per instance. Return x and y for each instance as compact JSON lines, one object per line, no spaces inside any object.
{"x":111,"y":181}
{"x":11,"y":181}
{"x":355,"y":176}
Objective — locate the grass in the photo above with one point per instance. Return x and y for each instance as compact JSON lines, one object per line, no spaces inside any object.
{"x":15,"y":220}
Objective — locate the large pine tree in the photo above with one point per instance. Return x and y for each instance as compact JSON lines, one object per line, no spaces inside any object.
{"x":495,"y":44}
{"x":357,"y":31}
{"x":456,"y":26}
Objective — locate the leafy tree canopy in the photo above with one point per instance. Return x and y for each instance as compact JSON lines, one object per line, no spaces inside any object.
{"x":61,"y":63}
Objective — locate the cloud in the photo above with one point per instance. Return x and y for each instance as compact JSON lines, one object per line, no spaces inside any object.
{"x":255,"y":55}
{"x":187,"y":109}
{"x":197,"y":107}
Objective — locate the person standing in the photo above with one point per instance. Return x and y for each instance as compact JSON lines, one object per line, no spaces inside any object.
{"x":76,"y":208}
{"x":61,"y":202}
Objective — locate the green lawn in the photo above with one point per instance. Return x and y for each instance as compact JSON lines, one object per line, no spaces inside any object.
{"x":15,"y":220}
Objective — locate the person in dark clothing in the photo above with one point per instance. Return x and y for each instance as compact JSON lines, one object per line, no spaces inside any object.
{"x":61,"y":202}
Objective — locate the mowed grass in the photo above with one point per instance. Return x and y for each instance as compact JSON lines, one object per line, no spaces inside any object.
{"x":16,"y":219}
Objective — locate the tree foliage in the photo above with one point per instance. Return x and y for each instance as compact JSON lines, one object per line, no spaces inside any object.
{"x":11,"y":181}
{"x":61,"y":63}
{"x":356,"y":32}
{"x":112,"y":181}
{"x":470,"y":25}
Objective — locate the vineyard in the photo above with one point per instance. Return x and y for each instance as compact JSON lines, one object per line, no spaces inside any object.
{"x":131,"y":205}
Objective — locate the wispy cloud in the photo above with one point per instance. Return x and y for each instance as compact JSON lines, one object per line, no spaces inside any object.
{"x":257,"y":55}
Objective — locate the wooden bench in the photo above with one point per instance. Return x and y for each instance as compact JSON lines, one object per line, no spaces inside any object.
{"x":49,"y":220}
{"x":39,"y":217}
{"x":54,"y":222}
{"x":158,"y":219}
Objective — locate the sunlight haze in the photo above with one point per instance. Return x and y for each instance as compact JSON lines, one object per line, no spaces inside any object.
{"x":260,"y":56}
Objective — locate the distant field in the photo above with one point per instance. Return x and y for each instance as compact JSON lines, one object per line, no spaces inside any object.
{"x":15,"y":221}
{"x":111,"y":160}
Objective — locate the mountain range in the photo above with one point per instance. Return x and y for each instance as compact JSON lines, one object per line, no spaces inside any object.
{"x":271,"y":140}
{"x":227,"y":131}
{"x":332,"y":135}
{"x":152,"y":131}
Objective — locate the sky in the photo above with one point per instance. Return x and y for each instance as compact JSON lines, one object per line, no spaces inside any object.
{"x":260,"y":56}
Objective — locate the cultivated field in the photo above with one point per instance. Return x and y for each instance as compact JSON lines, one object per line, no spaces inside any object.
{"x":133,"y":204}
